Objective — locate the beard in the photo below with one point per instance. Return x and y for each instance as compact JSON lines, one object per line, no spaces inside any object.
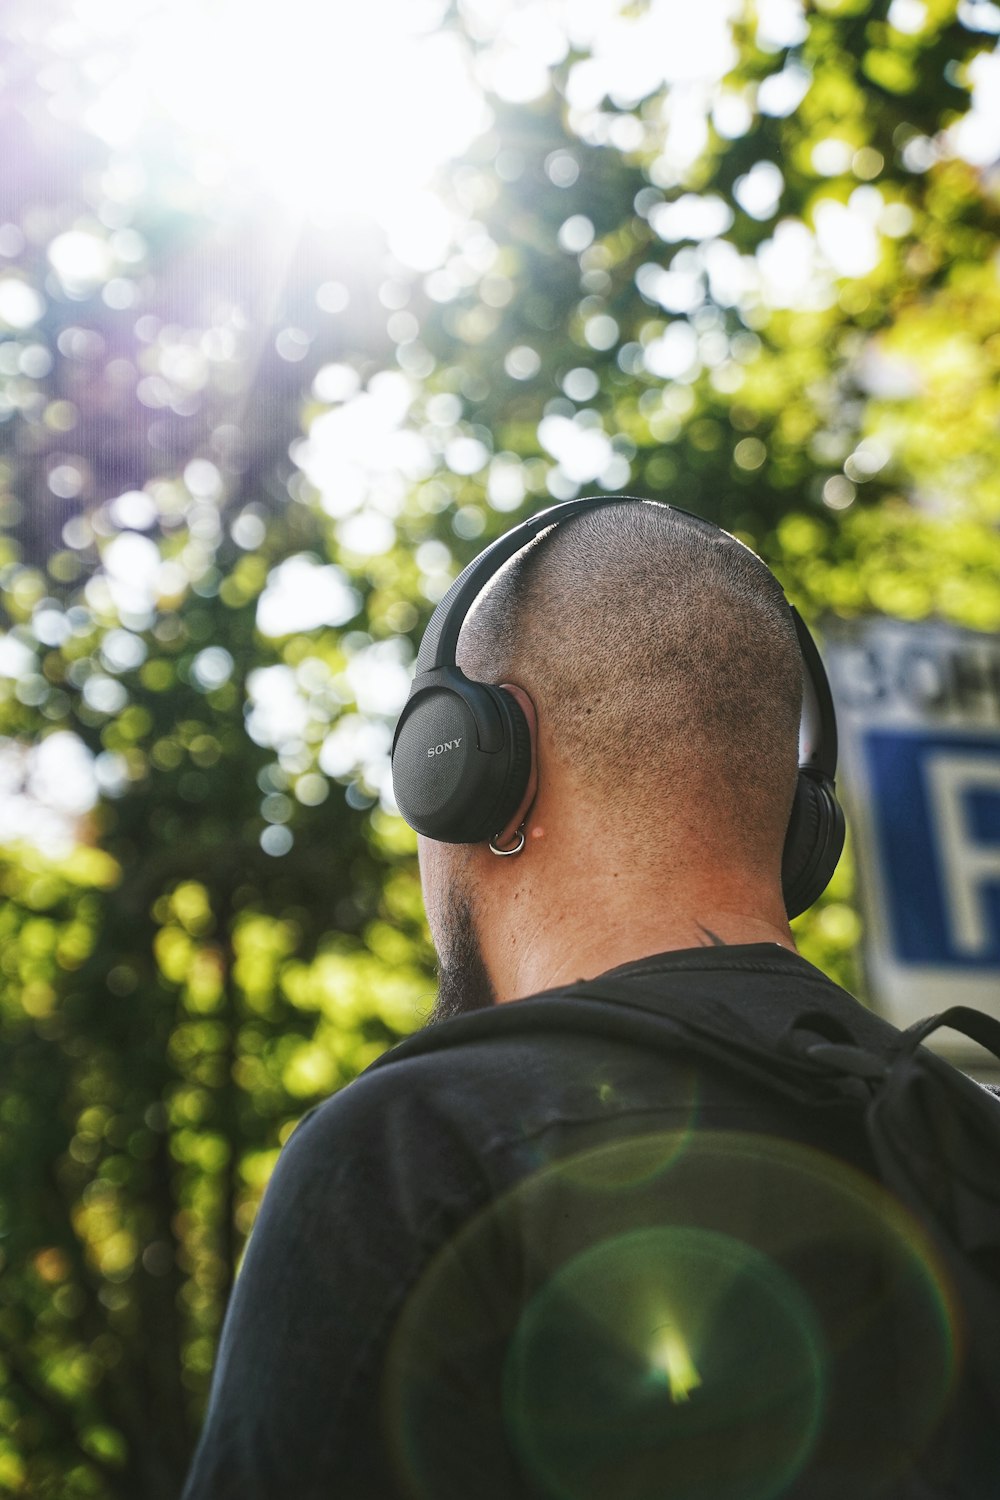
{"x":464,"y":984}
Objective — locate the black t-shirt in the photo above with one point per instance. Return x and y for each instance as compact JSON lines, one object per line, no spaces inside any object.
{"x":531,"y":1255}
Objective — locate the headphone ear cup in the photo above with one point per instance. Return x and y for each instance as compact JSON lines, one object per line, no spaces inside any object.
{"x":813,"y":843}
{"x":517,"y":739}
{"x":461,"y":760}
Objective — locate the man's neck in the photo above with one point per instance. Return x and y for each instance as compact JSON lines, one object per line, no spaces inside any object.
{"x":548,"y":946}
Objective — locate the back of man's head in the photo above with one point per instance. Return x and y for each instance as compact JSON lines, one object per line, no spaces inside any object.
{"x":663,"y":662}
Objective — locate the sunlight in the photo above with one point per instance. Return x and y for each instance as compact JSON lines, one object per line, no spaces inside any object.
{"x":334,"y":111}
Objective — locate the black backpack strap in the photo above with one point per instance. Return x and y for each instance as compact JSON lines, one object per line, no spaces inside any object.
{"x":928,"y":1113}
{"x":775,"y":1050}
{"x":935,"y":1134}
{"x":974,"y":1024}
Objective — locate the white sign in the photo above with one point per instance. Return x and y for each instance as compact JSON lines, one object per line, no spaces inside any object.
{"x":918,"y":710}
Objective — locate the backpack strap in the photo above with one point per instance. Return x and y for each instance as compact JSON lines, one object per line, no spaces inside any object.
{"x":774,"y":1049}
{"x":974,"y":1024}
{"x":935,"y":1134}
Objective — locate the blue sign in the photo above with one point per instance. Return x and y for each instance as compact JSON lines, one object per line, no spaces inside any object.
{"x":918,"y":709}
{"x":935,"y":807}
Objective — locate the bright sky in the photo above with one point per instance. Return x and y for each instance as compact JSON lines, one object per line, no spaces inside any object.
{"x":348,"y":109}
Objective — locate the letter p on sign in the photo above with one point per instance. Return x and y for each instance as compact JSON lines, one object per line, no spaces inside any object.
{"x":970,"y":866}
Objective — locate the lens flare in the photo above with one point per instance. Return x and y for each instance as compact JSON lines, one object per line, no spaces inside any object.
{"x":677,"y":1315}
{"x":663,"y":1362}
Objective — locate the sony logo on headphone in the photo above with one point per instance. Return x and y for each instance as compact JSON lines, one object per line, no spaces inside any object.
{"x":440,"y":749}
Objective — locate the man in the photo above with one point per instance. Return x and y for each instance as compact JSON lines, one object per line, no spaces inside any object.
{"x":534,"y":1251}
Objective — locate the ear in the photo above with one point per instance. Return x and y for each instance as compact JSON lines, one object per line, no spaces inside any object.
{"x":508,"y":834}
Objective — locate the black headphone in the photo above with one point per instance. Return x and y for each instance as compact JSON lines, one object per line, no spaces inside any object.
{"x":461,"y":753}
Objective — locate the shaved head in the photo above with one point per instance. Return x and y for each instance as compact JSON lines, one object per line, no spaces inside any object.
{"x":664,"y":665}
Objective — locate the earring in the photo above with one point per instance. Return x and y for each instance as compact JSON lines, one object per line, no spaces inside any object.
{"x":506,"y":853}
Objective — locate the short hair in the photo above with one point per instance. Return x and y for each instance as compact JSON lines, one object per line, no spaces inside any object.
{"x":661,"y":654}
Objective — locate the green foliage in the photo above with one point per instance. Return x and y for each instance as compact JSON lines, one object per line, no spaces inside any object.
{"x":791,"y":330}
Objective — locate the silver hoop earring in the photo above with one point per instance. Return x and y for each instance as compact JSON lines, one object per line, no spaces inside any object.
{"x":506,"y":853}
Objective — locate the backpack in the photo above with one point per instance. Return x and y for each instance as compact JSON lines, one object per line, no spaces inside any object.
{"x":934,"y":1134}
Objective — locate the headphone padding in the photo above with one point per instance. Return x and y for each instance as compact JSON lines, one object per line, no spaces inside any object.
{"x":517,"y":737}
{"x":813,"y":843}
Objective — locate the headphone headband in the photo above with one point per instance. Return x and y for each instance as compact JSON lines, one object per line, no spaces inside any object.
{"x":822,"y":756}
{"x":439,"y":645}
